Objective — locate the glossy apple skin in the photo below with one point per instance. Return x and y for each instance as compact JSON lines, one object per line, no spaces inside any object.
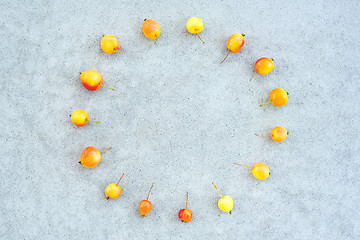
{"x":151,"y":29}
{"x":144,"y":207}
{"x":90,"y":157}
{"x":260,"y":171}
{"x":109,"y":44}
{"x":185,"y":215}
{"x":264,"y":66}
{"x":91,"y":79}
{"x":112,"y":191}
{"x":79,"y":118}
{"x":278,"y":97}
{"x":235,"y":42}
{"x":278,"y":134}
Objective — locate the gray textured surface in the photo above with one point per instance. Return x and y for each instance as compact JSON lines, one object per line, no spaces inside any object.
{"x":180,"y":119}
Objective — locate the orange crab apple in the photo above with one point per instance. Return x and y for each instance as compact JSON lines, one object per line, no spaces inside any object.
{"x":185,"y":214}
{"x":91,"y":157}
{"x":235,"y":43}
{"x":113,"y":190}
{"x":260,"y":170}
{"x":278,"y":134}
{"x":151,"y":29}
{"x":109,"y":44}
{"x":278,"y":97}
{"x":92,"y":80}
{"x":263,"y":66}
{"x":80,"y":118}
{"x":145,"y":205}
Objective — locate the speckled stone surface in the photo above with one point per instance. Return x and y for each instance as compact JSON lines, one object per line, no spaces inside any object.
{"x":180,"y":119}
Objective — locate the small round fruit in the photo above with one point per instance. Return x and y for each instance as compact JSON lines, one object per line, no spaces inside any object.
{"x":260,"y":171}
{"x":278,"y":134}
{"x":278,"y":97}
{"x":194,"y":25}
{"x":91,"y":79}
{"x":144,"y":207}
{"x":235,"y":42}
{"x":226,"y":204}
{"x":264,"y":66}
{"x":112,"y":191}
{"x":185,"y":215}
{"x":90,"y":157}
{"x":79,"y":118}
{"x":109,"y":44}
{"x":151,"y":29}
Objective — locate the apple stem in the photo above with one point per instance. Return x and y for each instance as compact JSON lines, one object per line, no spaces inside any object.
{"x":149,"y":192}
{"x":217,"y":189}
{"x":105,"y":149}
{"x":200,"y":37}
{"x":108,"y":87}
{"x":93,"y":121}
{"x":120,"y":179}
{"x":242,"y":165}
{"x":252,"y":76}
{"x":187,"y":196}
{"x":225,"y":57}
{"x":155,"y":41}
{"x":262,"y":136}
{"x":265,"y":103}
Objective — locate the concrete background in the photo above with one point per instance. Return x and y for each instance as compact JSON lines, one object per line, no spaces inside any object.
{"x":180,"y":119}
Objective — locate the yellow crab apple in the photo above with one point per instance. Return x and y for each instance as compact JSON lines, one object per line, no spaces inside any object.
{"x":225,"y":203}
{"x":113,"y":190}
{"x":80,"y":118}
{"x":195,"y":25}
{"x":260,"y":170}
